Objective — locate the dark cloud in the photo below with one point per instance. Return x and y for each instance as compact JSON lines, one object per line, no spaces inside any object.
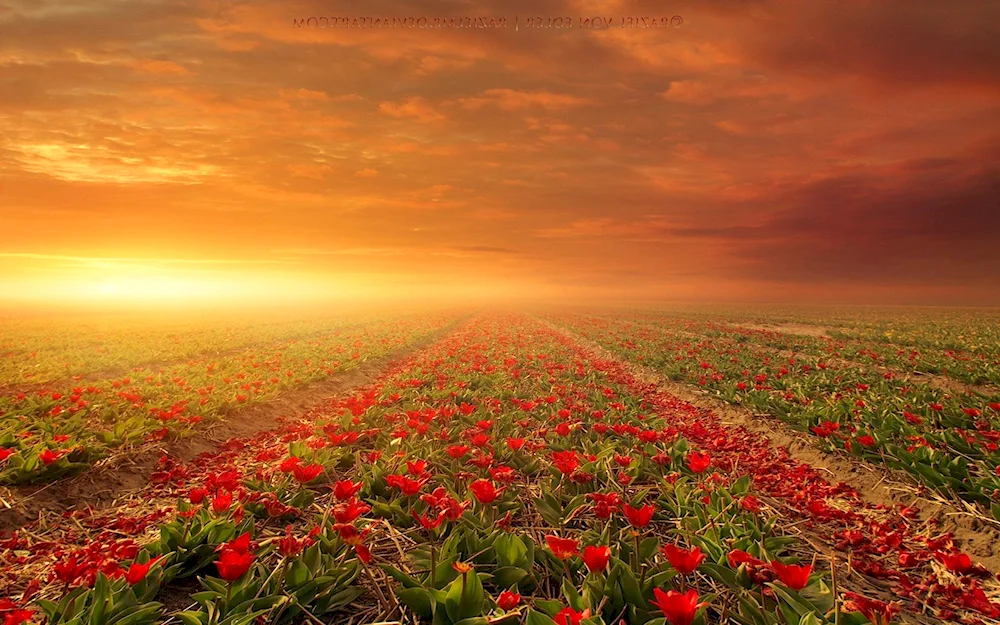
{"x":903,"y":43}
{"x":936,"y":220}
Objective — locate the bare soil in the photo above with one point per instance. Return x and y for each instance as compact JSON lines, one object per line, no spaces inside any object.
{"x":791,"y":328}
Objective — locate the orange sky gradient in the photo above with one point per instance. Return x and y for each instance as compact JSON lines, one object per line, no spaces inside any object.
{"x":840,"y":151}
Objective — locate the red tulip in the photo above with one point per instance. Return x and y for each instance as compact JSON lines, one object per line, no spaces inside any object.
{"x":232,"y":564}
{"x":569,"y":616}
{"x":596,"y":558}
{"x":677,"y":608}
{"x":17,"y":617}
{"x":639,"y":517}
{"x":956,"y":562}
{"x":878,"y":612}
{"x":684,"y":561}
{"x":453,"y":509}
{"x":508,"y":600}
{"x":197,"y":495}
{"x":356,"y":538}
{"x":345,"y":489}
{"x":289,"y":546}
{"x":622,"y":460}
{"x":416,"y":467}
{"x":5,"y":453}
{"x":240,"y":544}
{"x":737,"y":557}
{"x":484,"y":491}
{"x":48,"y":456}
{"x":427,"y":523}
{"x":222,"y":501}
{"x":698,"y":462}
{"x":406,"y":485}
{"x":795,"y":577}
{"x":562,"y":548}
{"x":137,"y":572}
{"x":306,"y":474}
{"x":566,"y":461}
{"x":503,"y":474}
{"x":347,"y":512}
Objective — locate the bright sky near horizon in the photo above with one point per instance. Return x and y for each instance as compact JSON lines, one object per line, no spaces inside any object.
{"x":761,"y":150}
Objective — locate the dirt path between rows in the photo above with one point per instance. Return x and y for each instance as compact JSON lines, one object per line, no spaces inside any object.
{"x":875,"y":484}
{"x":129,"y":470}
{"x":803,"y":330}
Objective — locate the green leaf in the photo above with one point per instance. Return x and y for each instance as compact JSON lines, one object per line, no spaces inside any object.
{"x":721,"y":574}
{"x":630,"y":586}
{"x":401,"y":577}
{"x":139,"y":614}
{"x":511,"y":551}
{"x":573,"y":597}
{"x":647,"y":548}
{"x":549,"y":606}
{"x":537,"y":618}
{"x":417,"y":599}
{"x":464,"y":597}
{"x":810,"y":619}
{"x":508,"y":576}
{"x":191,"y":617}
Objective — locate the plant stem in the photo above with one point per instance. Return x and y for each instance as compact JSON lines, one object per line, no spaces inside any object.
{"x":465,"y":578}
{"x":836,"y":598}
{"x":433,"y":562}
{"x":636,"y":550}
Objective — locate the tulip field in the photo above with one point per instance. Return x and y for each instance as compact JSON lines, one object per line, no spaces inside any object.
{"x":470,"y":467}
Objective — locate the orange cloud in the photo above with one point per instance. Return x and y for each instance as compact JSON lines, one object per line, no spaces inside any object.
{"x":513,"y":100}
{"x":416,"y":108}
{"x":151,"y":66}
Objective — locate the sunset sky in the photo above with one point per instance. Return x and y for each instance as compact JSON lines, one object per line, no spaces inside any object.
{"x":763,"y":151}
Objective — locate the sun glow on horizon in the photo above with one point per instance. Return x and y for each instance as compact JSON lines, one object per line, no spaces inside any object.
{"x":157,"y":282}
{"x":110,"y":282}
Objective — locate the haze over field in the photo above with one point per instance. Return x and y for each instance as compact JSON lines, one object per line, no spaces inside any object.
{"x":208,"y":151}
